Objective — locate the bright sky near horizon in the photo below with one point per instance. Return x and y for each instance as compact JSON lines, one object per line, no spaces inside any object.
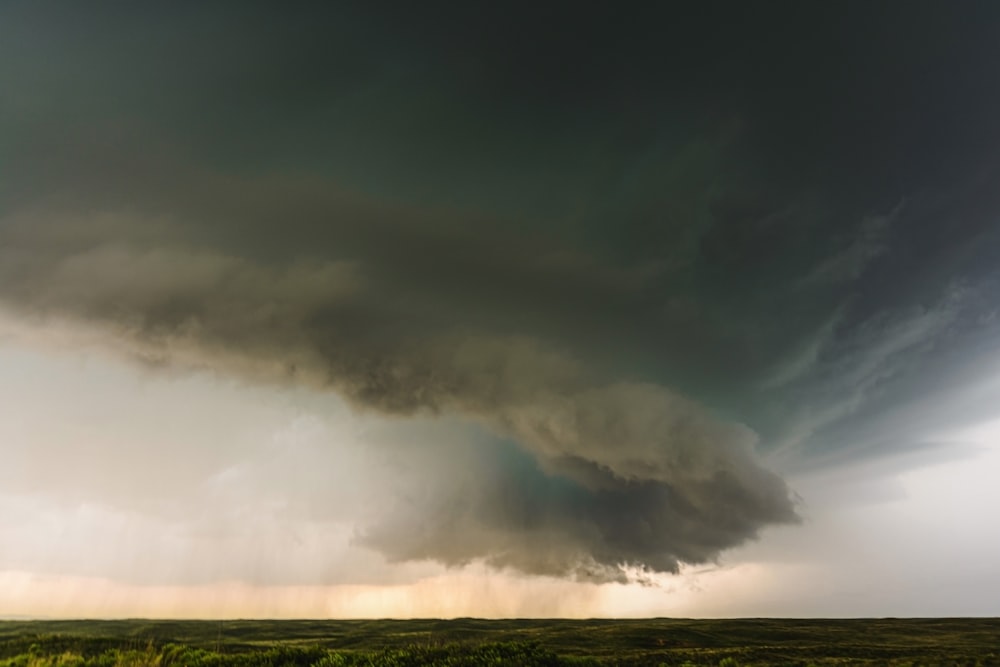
{"x":499,"y":311}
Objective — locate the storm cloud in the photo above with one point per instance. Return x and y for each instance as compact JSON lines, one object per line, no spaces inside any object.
{"x":642,"y":249}
{"x":686,"y":479}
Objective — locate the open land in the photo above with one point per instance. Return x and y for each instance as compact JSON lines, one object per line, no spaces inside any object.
{"x":726,"y":643}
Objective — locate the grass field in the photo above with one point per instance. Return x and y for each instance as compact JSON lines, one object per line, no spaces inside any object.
{"x":727,"y":643}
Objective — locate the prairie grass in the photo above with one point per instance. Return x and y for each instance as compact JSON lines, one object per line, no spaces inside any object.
{"x":392,"y":643}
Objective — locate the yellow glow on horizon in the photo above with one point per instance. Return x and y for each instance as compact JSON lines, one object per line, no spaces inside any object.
{"x":445,"y":596}
{"x":473,"y":592}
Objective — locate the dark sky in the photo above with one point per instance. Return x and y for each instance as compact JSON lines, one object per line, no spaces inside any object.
{"x":643,"y":245}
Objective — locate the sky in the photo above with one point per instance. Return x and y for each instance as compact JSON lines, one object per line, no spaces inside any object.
{"x":499,"y":309}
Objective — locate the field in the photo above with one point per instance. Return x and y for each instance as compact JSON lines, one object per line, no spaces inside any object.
{"x":726,"y":643}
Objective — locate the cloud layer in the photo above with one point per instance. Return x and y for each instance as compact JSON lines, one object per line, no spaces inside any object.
{"x":621,"y":474}
{"x":604,"y":244}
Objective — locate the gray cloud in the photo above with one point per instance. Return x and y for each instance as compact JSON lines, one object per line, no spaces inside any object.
{"x":572,"y":517}
{"x":641,"y":295}
{"x":337,"y":325}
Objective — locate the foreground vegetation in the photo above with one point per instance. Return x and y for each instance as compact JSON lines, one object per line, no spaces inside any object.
{"x":725,"y":643}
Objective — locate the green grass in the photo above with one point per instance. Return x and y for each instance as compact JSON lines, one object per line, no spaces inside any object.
{"x":398,"y":643}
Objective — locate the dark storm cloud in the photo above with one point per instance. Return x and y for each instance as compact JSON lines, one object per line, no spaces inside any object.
{"x":639,"y":242}
{"x":574,"y":519}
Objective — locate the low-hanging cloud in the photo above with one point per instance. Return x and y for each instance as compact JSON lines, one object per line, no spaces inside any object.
{"x":573,"y":517}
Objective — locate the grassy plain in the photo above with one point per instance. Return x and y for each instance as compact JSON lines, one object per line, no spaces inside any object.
{"x":727,"y":643}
